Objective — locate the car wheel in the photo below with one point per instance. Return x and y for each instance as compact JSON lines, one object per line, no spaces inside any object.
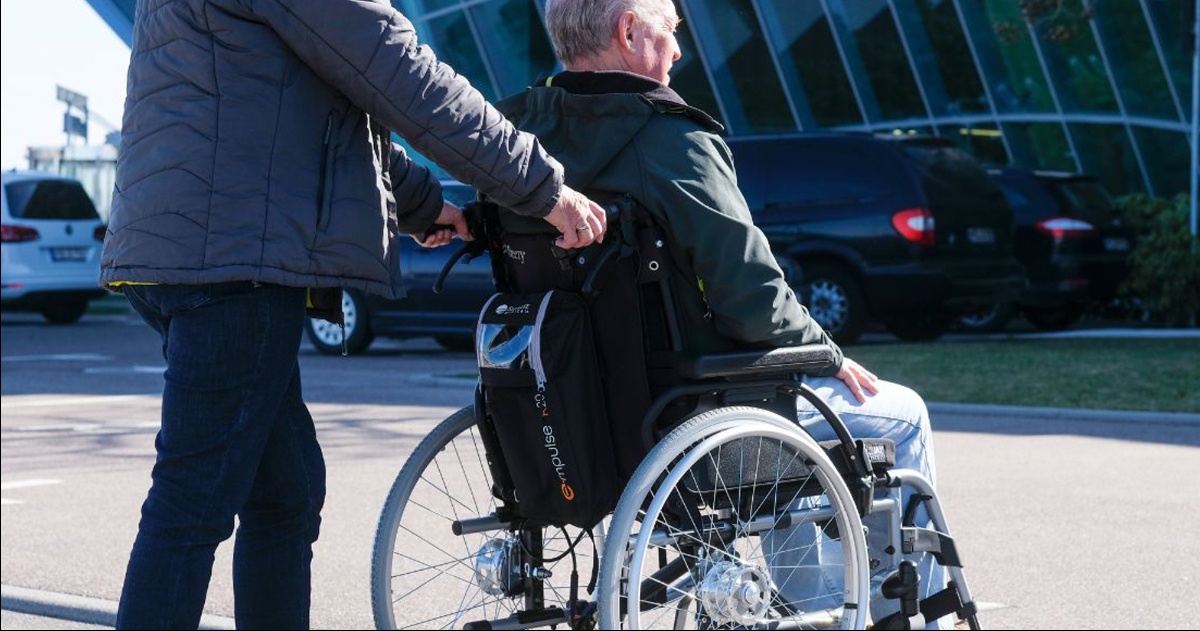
{"x":835,"y":300}
{"x":1055,"y":318}
{"x":919,"y":328}
{"x":988,"y":319}
{"x":327,"y":336}
{"x":65,"y":311}
{"x":456,"y":343}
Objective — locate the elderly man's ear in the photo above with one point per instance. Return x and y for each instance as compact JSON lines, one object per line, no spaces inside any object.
{"x":625,"y":25}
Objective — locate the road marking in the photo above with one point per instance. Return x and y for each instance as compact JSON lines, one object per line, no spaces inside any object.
{"x":65,"y":357}
{"x":116,"y":370}
{"x":25,"y":484}
{"x":22,"y":484}
{"x":55,"y":400}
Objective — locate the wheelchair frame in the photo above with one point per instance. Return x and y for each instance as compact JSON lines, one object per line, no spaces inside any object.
{"x":512,"y":575}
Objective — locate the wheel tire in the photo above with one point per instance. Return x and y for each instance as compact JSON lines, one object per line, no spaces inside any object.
{"x":1054,"y":318}
{"x":65,"y":311}
{"x":991,"y":319}
{"x":642,"y":520}
{"x":327,"y":336}
{"x":921,"y":328}
{"x":835,"y":300}
{"x":421,"y":572}
{"x":456,"y":343}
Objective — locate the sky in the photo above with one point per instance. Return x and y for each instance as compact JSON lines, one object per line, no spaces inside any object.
{"x":44,"y":43}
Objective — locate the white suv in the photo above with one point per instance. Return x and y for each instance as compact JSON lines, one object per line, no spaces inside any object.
{"x":51,"y":246}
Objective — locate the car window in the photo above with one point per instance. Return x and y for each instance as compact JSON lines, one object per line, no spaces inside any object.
{"x":819,"y":172}
{"x":49,"y":199}
{"x":949,"y":163}
{"x":1030,"y":202}
{"x":1083,"y":198}
{"x":1018,"y":200}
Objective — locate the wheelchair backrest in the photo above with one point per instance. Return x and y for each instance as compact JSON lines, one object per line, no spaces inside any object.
{"x":626,"y":285}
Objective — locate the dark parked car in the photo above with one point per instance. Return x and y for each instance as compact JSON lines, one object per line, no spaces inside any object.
{"x":1073,"y":243}
{"x":448,"y":317}
{"x":910,"y":231}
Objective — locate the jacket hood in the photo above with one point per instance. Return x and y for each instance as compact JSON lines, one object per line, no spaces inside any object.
{"x":585,"y":119}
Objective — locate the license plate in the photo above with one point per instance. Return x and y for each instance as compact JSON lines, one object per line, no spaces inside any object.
{"x":66,"y":255}
{"x":1116,"y":244}
{"x":981,"y":235}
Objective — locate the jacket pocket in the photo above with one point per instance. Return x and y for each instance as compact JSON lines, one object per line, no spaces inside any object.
{"x":323,"y":175}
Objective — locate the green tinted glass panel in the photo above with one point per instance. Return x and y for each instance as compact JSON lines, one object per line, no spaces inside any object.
{"x":1134,"y":60}
{"x":884,"y":59}
{"x":982,"y":141}
{"x":1173,"y":20}
{"x":450,"y":38}
{"x":810,"y":61}
{"x":688,"y":78}
{"x":1105,"y":153}
{"x":1073,"y":59}
{"x":728,"y":32}
{"x":415,"y":9}
{"x":1166,"y":156}
{"x":953,"y":60}
{"x":1011,"y":64}
{"x":514,"y":41}
{"x":1039,"y":145}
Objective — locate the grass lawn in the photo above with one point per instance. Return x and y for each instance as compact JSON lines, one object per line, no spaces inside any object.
{"x":1144,"y":374}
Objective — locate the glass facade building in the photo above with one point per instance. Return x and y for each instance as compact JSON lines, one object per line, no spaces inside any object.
{"x":1096,"y":86}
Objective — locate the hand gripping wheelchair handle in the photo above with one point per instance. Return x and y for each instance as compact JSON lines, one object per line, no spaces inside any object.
{"x":473,"y":213}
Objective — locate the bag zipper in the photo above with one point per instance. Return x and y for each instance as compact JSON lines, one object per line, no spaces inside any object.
{"x":535,"y":342}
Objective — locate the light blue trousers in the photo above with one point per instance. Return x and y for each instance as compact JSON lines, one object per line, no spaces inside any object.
{"x":895,"y":412}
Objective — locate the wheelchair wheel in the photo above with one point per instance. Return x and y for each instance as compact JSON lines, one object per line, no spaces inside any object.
{"x":737,"y":519}
{"x":424,"y":576}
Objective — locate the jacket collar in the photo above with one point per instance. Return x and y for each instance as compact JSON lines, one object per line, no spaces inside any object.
{"x":600,"y":82}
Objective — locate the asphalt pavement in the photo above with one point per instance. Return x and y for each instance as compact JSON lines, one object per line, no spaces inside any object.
{"x":24,"y":607}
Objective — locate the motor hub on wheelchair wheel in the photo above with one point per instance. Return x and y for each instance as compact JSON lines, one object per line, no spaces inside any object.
{"x":496,"y":567}
{"x":735,"y":593}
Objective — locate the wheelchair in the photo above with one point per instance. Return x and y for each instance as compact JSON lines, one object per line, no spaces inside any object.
{"x":735,"y":518}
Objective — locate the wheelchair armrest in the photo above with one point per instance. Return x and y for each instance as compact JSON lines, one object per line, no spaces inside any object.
{"x":777,"y":361}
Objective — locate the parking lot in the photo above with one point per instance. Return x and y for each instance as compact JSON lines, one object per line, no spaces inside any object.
{"x":1056,"y":519}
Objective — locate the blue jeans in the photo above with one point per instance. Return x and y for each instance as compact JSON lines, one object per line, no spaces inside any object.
{"x":236,"y":441}
{"x":898,"y":413}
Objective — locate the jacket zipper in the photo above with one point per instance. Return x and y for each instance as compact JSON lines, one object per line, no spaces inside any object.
{"x":321,"y":173}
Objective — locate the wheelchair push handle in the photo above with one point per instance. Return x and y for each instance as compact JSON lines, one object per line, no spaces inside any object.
{"x":612,"y":212}
{"x":473,"y":213}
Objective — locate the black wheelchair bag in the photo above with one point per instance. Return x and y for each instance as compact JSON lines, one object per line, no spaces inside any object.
{"x":540,"y":372}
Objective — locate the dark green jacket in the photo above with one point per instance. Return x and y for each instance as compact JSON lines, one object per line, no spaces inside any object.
{"x":620,"y":133}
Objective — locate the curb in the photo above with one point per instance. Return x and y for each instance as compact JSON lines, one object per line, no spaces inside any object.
{"x":976,"y":410}
{"x":1064,"y":414}
{"x":82,"y":609}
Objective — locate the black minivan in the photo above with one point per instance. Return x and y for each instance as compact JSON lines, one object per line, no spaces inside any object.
{"x":911,"y":231}
{"x":906,"y":230}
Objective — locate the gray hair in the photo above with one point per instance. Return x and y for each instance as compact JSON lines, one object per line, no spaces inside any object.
{"x":580,"y":29}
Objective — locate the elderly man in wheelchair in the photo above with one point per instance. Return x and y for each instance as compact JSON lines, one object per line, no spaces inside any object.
{"x":662,"y":436}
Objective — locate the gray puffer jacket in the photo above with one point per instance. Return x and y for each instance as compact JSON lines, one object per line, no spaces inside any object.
{"x":257,"y":145}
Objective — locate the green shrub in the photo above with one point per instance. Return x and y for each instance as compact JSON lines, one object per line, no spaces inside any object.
{"x":1165,"y":262}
